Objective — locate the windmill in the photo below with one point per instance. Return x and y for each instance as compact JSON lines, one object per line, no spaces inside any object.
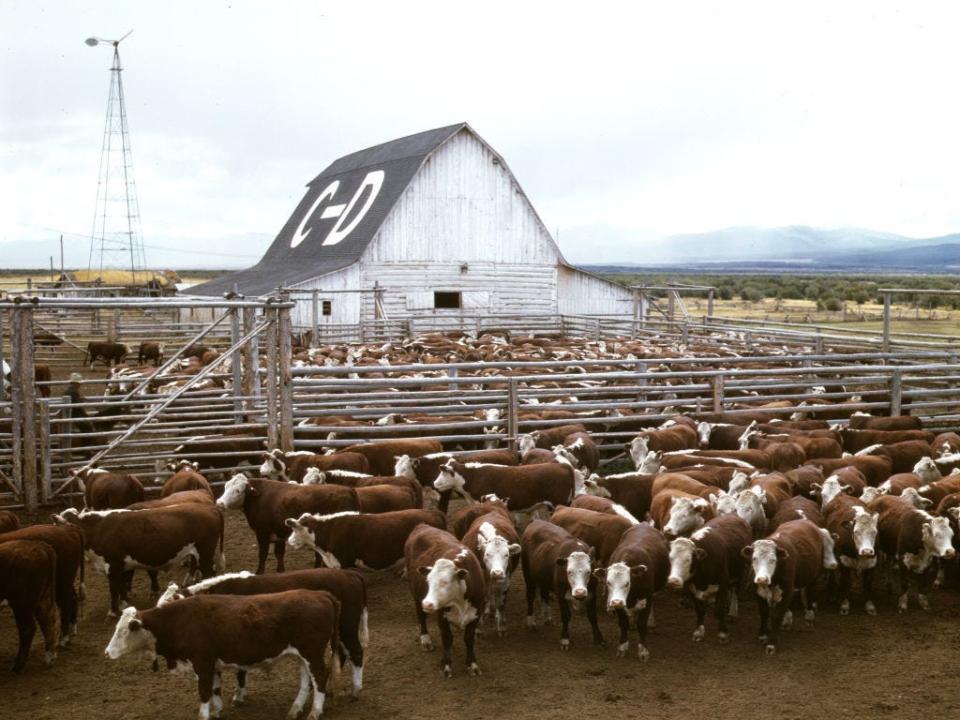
{"x":116,"y":241}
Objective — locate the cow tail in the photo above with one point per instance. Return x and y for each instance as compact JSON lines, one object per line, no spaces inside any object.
{"x":82,"y":587}
{"x":221,"y":556}
{"x":335,"y":649}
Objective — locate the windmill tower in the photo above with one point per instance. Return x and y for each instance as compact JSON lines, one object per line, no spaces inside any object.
{"x":116,"y":241}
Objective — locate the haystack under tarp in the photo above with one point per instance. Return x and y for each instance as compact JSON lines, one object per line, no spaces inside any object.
{"x":165,"y":280}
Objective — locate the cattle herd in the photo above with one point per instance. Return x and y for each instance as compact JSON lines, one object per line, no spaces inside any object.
{"x":718,"y":506}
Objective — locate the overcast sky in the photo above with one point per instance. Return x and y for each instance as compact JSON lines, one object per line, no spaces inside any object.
{"x":622,"y":121}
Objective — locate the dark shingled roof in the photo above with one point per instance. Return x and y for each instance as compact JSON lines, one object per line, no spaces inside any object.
{"x":398,"y":161}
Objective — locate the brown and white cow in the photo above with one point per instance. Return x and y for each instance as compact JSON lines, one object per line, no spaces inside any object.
{"x":28,"y":580}
{"x":557,"y":564}
{"x":636,"y":569}
{"x":177,"y":498}
{"x":547,"y":438}
{"x":493,"y":538}
{"x":856,"y":440}
{"x":602,"y":505}
{"x":445,"y":580}
{"x":211,"y":633}
{"x":103,"y":490}
{"x":109,"y":352}
{"x":855,"y":528}
{"x":186,"y":476}
{"x":424,"y":469}
{"x":875,"y":468}
{"x":293,"y":466}
{"x":8,"y":521}
{"x":633,"y":490}
{"x":268,"y":503}
{"x":164,"y":538}
{"x":353,"y":539}
{"x":796,"y":508}
{"x":348,"y":586}
{"x":865,"y":421}
{"x":579,"y":450}
{"x":382,"y":455}
{"x":790,"y":559}
{"x":522,"y":486}
{"x":674,"y":438}
{"x":678,"y":513}
{"x":709,"y":564}
{"x":348,"y":478}
{"x":599,"y":530}
{"x":903,"y":455}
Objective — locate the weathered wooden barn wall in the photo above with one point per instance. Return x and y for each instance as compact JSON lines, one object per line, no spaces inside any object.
{"x":344,"y":307}
{"x":580,"y":293}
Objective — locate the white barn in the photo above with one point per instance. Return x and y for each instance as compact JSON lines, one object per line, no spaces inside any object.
{"x":439,"y":224}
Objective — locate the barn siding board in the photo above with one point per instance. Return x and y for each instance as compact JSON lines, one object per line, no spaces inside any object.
{"x":344,"y":306}
{"x":584,"y":294}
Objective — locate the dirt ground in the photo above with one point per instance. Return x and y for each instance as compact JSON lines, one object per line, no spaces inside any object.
{"x":844,"y":667}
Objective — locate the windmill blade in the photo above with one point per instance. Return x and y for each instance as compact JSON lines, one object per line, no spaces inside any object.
{"x":125,"y":36}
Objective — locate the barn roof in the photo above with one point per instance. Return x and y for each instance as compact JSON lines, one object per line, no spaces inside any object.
{"x":340,"y":214}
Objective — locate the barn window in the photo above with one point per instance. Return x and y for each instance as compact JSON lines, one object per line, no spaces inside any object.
{"x":447,"y":301}
{"x":327,"y":307}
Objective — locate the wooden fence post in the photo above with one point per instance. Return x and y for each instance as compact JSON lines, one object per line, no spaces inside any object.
{"x":641,"y":379}
{"x":249,"y":361}
{"x":896,"y":392}
{"x":43,"y":440}
{"x":273,"y":338}
{"x":886,"y":321}
{"x":3,"y":313}
{"x":718,"y":381}
{"x":22,"y":376}
{"x":285,"y":378}
{"x":512,"y":424}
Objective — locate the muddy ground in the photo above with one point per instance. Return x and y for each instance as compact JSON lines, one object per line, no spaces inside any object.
{"x":856,"y":667}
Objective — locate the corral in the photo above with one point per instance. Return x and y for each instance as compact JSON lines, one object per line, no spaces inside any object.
{"x":468,"y":382}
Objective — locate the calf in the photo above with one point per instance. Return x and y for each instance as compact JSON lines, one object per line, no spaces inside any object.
{"x":446,"y":580}
{"x":708,"y":564}
{"x":382,"y":455}
{"x":855,"y":529}
{"x":424,"y":469}
{"x":916,"y":539}
{"x":803,"y":478}
{"x":579,"y":450}
{"x":267,"y":504}
{"x":186,"y":476}
{"x":790,"y":559}
{"x":110,"y":352}
{"x":683,"y":482}
{"x":352,"y":539}
{"x":463,"y":518}
{"x":68,"y":545}
{"x":493,"y":538}
{"x":637,"y":569}
{"x":673,"y":438}
{"x":557,"y":564}
{"x":28,"y":580}
{"x":150,"y":351}
{"x":387,"y":497}
{"x":209,"y":633}
{"x":293,"y":466}
{"x":522,"y":486}
{"x":8,"y":521}
{"x":121,"y":541}
{"x":221,"y":452}
{"x":678,"y":513}
{"x":721,"y":436}
{"x":347,"y":586}
{"x":103,"y":490}
{"x":845,"y":480}
{"x":601,"y":531}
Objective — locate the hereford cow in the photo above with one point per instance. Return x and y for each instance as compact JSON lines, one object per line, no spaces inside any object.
{"x":796,"y":508}
{"x":601,"y":531}
{"x":874,"y":468}
{"x":164,"y":538}
{"x":633,"y":491}
{"x":103,"y":490}
{"x":360,"y":480}
{"x":865,"y":421}
{"x":493,"y":538}
{"x":522,"y":486}
{"x":112,"y":353}
{"x":548,"y":437}
{"x":446,"y":580}
{"x":857,"y":440}
{"x":293,"y":466}
{"x":602,"y":505}
{"x":178,"y":498}
{"x":790,"y":559}
{"x":268,"y":503}
{"x":946,"y":443}
{"x":678,"y":513}
{"x":352,"y":539}
{"x":855,"y":529}
{"x":557,"y":564}
{"x":150,"y":351}
{"x":209,"y":633}
{"x":221,"y":453}
{"x":708,"y":564}
{"x":348,"y":586}
{"x":28,"y":578}
{"x":8,"y":521}
{"x":579,"y":450}
{"x":673,"y":438}
{"x":382,"y":455}
{"x":186,"y":476}
{"x":424,"y":469}
{"x":637,"y":569}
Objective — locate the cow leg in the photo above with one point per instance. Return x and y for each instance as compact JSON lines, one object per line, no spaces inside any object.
{"x":46,"y":613}
{"x":844,"y":590}
{"x":531,"y":590}
{"x":279,"y":549}
{"x":592,"y":616}
{"x":809,"y":598}
{"x":545,"y":616}
{"x":263,"y":547}
{"x":154,"y":582}
{"x":869,"y":607}
{"x":926,"y":579}
{"x":67,"y":605}
{"x":26,"y":629}
{"x":764,"y":607}
{"x":722,"y":609}
{"x":425,"y":643}
{"x":355,"y":650}
{"x":302,"y":693}
{"x":446,"y":638}
{"x":642,"y":618}
{"x":318,"y":680}
{"x":216,"y":700}
{"x":564,"y":622}
{"x":205,"y":689}
{"x":470,"y":639}
{"x":118,"y":582}
{"x":240,"y":695}
{"x":623,"y":620}
{"x":903,"y":600}
{"x":777,"y":613}
{"x":127,"y":583}
{"x":700,"y":607}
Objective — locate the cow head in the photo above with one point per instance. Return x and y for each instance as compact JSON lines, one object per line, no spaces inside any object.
{"x":172,"y":593}
{"x":406,"y":466}
{"x":926,"y":469}
{"x":704,"y":429}
{"x":446,"y":585}
{"x":302,"y":535}
{"x":577,"y":567}
{"x":938,"y":537}
{"x":591,"y":486}
{"x":650,"y":465}
{"x":314,"y":476}
{"x":686,"y":515}
{"x":563,"y":454}
{"x":764,"y":556}
{"x":638,"y":450}
{"x":870,"y":494}
{"x":273,"y":463}
{"x":130,"y":636}
{"x":724,"y":503}
{"x":449,"y":478}
{"x":70,"y":516}
{"x":913,"y":497}
{"x":619,"y":577}
{"x":739,"y":481}
{"x":495,"y":551}
{"x":492,"y":415}
{"x":750,"y":504}
{"x":863,"y":527}
{"x":234,"y":492}
{"x":831,"y":488}
{"x":526,"y":443}
{"x":684,"y":553}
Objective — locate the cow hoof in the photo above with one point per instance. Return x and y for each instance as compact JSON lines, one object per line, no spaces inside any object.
{"x":643,"y":655}
{"x":48,"y":658}
{"x":699,"y":633}
{"x":473,"y":669}
{"x":787,"y":622}
{"x":622,"y":649}
{"x":425,"y":643}
{"x":845,"y":607}
{"x":809,"y":616}
{"x":763,"y":639}
{"x":771,"y":650}
{"x":723,"y":638}
{"x":870,"y":608}
{"x":501,"y":632}
{"x":564,"y":644}
{"x":902,"y":604}
{"x":923,"y":602}
{"x":238,"y":699}
{"x":447,"y":671}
